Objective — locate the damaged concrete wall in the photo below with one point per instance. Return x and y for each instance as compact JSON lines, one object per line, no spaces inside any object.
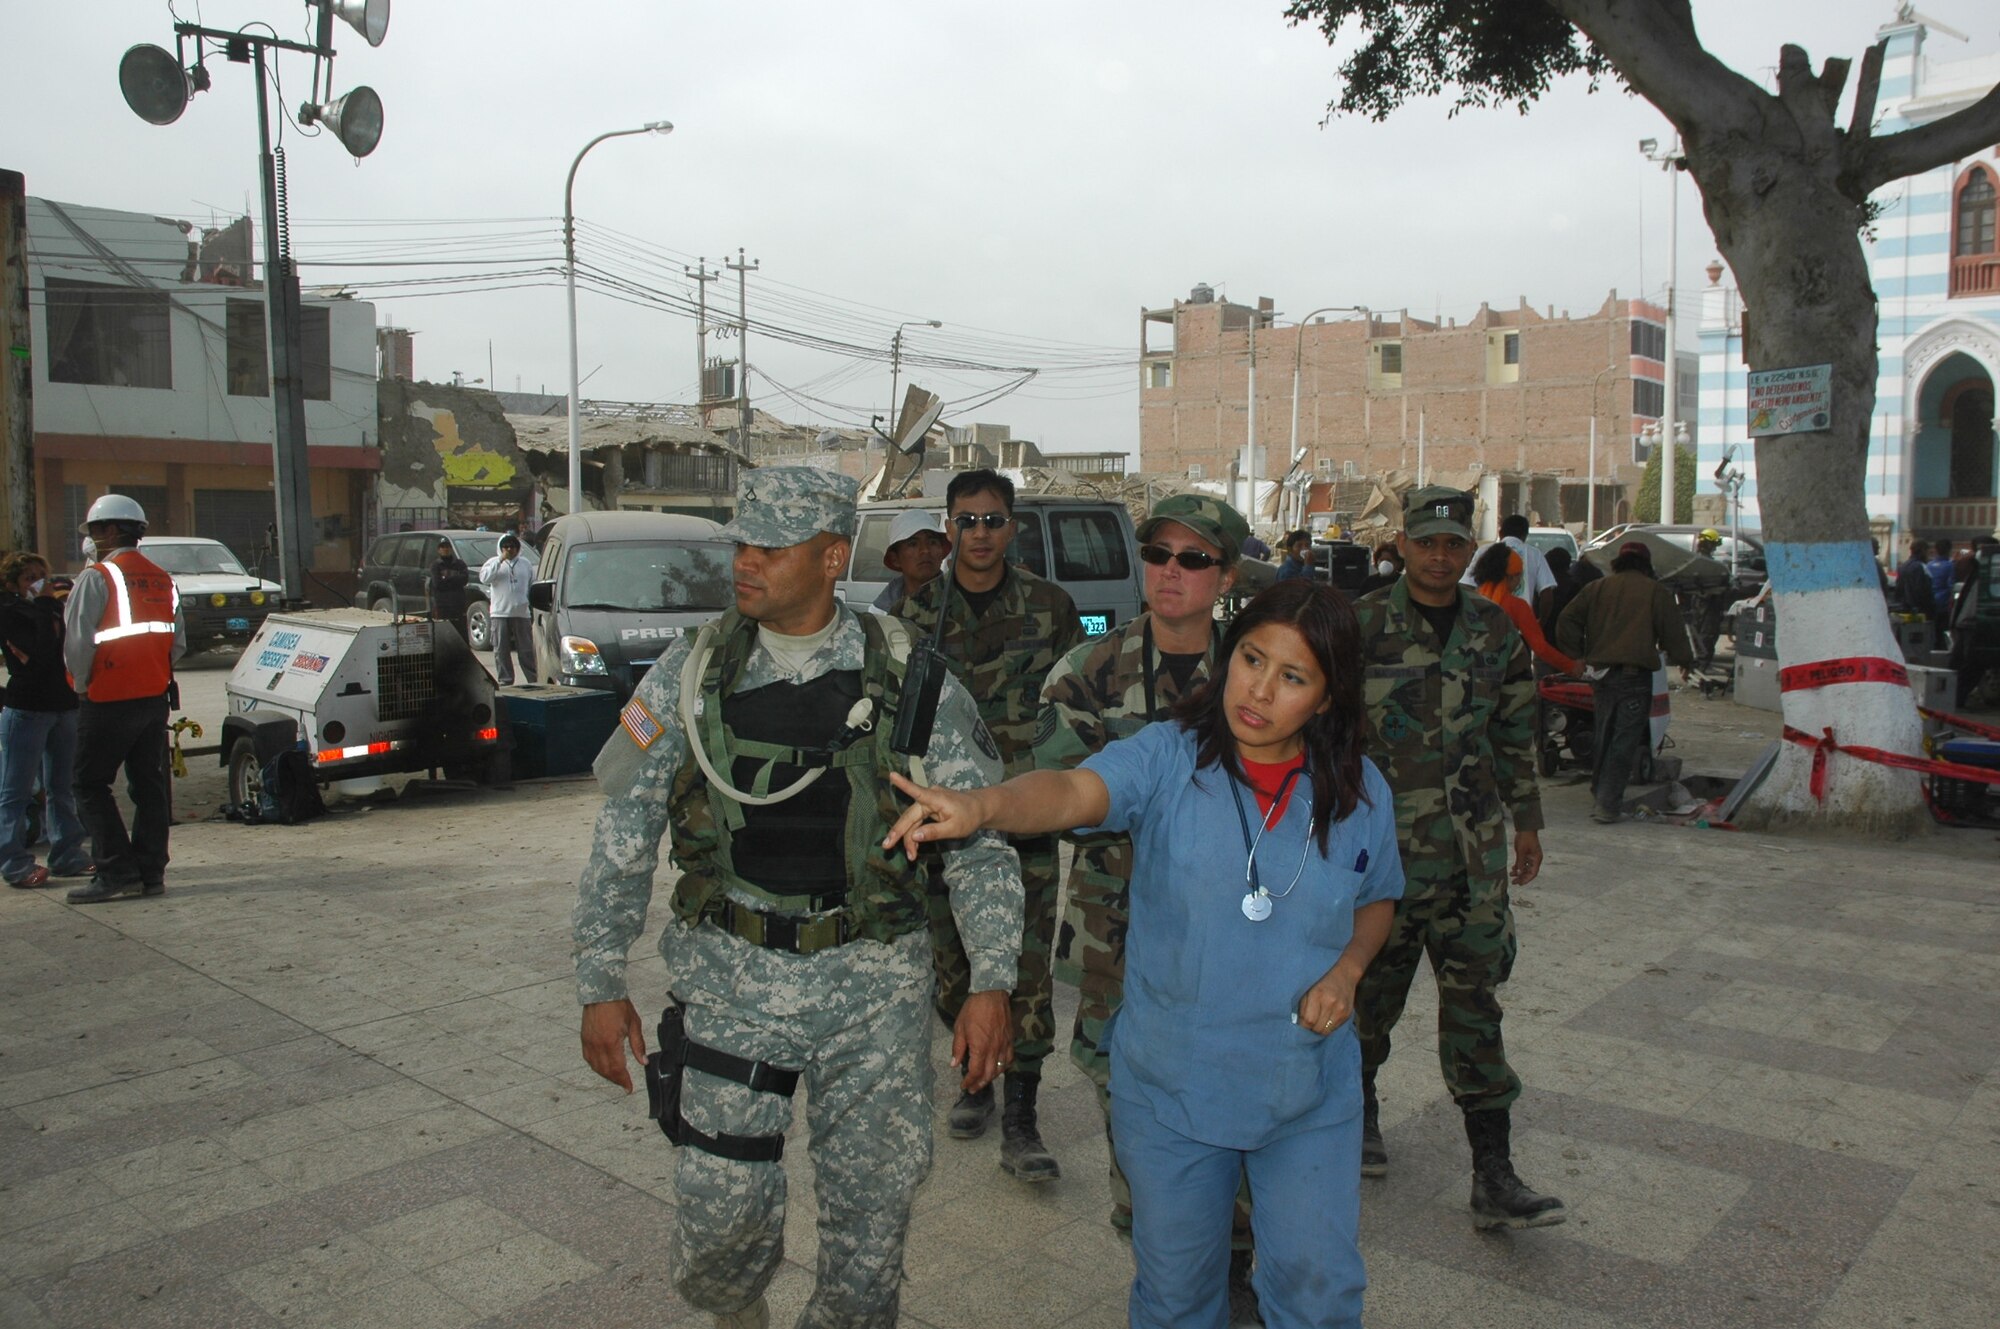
{"x":442,"y":444}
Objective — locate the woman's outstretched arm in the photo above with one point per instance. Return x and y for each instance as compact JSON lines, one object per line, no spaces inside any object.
{"x":1036,"y":802}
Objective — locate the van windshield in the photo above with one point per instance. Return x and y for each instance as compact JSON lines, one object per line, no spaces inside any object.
{"x":190,"y":560}
{"x":653,"y":576}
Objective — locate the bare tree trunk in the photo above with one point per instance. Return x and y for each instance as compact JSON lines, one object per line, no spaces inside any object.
{"x":1792,"y":238}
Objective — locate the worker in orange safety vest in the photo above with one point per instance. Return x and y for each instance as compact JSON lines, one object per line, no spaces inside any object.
{"x":123,"y":636}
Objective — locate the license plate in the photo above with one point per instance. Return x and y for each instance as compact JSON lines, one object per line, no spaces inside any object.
{"x":238,"y":625}
{"x":1095,"y":625}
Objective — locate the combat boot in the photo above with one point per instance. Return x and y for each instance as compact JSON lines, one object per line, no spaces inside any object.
{"x":1243,"y":1307}
{"x":1499,"y":1197}
{"x":1022,"y":1154}
{"x":1374,"y":1154}
{"x":757,"y":1315}
{"x":970,"y":1114}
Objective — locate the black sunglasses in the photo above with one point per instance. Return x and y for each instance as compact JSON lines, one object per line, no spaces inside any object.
{"x":992,"y":521}
{"x":1191,"y":559}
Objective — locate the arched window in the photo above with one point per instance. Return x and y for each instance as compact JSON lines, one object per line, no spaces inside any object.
{"x":1975,"y":266}
{"x":1975,"y":215}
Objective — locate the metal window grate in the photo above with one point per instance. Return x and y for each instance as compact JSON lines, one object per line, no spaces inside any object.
{"x":405,"y":686}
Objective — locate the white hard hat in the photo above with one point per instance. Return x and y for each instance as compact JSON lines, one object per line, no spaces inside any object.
{"x":114,"y":507}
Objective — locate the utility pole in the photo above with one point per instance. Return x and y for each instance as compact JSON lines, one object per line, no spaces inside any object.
{"x":702,"y":277}
{"x":1250,"y":432}
{"x":740,"y":268}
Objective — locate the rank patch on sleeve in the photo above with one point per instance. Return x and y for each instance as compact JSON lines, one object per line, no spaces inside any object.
{"x":639,"y":723}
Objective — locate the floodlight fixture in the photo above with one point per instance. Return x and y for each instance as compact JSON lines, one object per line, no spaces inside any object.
{"x":355,"y":119}
{"x":370,"y":18}
{"x":1647,"y":145}
{"x":154,"y":84}
{"x":157,"y":86}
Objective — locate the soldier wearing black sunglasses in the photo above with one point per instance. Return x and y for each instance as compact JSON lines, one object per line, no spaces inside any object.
{"x":1004,"y":629}
{"x":1193,"y":560}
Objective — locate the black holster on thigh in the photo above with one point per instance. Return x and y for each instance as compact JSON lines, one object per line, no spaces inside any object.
{"x":663,"y":1091}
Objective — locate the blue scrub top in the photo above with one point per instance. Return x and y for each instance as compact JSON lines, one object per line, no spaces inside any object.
{"x":1205,"y":1036}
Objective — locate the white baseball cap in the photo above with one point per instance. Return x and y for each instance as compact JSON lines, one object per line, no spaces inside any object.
{"x":908,"y":523}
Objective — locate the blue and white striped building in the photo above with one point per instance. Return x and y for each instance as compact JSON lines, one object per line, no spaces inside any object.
{"x":1936,"y":270}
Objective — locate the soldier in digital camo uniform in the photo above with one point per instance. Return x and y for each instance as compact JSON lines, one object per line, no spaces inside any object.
{"x":798,"y":947}
{"x":1450,"y":698}
{"x":1111,"y":688}
{"x":1004,"y":629}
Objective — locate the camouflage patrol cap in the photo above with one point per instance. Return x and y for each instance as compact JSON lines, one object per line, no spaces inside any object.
{"x":779,"y":506}
{"x":1210,"y":518}
{"x":1437,"y":510}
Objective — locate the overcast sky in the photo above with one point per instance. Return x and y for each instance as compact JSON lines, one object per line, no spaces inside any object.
{"x":1031,"y":175}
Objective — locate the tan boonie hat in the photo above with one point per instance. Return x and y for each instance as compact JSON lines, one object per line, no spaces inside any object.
{"x":780,"y":506}
{"x":1210,"y":518}
{"x":1437,"y":510}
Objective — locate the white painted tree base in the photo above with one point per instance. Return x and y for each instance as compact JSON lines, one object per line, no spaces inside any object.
{"x":1837,"y":624}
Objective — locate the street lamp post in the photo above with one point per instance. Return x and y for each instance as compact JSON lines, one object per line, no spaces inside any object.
{"x":569,"y":274}
{"x":896,"y":362}
{"x":1671,"y":162}
{"x":1298,"y":360}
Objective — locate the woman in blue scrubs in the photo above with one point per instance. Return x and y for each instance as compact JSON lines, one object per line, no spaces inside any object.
{"x":1266,"y":873}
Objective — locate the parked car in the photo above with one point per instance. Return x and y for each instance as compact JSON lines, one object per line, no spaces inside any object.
{"x":1084,"y":545}
{"x":616,"y":589}
{"x":393,"y":576}
{"x":220,"y":600}
{"x":1549,"y":538}
{"x":1750,"y":569}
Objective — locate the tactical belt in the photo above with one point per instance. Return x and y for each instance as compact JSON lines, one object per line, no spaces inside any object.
{"x":784,"y":932}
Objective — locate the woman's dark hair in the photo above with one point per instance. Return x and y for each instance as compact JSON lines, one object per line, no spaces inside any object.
{"x":18,"y":562}
{"x":1321,"y":615}
{"x":1492,"y":565}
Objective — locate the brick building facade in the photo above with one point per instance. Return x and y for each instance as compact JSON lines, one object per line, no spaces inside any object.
{"x":1511,"y":391}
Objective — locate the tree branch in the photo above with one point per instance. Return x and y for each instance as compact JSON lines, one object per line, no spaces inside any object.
{"x":1659,"y":55}
{"x":1911,"y":151}
{"x":1861,"y":126}
{"x":1810,"y":99}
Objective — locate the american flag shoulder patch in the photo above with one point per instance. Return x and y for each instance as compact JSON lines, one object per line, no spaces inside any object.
{"x":639,"y":723}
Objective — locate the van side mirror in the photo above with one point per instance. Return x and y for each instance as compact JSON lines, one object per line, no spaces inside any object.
{"x":542,"y":595}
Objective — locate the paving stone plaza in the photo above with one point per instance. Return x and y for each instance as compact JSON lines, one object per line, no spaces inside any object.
{"x":332,"y":1079}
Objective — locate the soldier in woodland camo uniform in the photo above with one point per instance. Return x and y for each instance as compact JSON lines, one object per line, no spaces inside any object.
{"x":1004,"y":629}
{"x":1450,"y":698}
{"x":796,"y":942}
{"x":1111,"y":688}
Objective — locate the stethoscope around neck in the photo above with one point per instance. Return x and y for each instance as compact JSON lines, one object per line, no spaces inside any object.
{"x":1256,"y":899}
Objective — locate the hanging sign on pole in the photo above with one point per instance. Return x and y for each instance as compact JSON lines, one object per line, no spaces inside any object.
{"x":1791,"y":401}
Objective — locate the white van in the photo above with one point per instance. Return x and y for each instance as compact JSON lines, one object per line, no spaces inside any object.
{"x":1084,"y":545}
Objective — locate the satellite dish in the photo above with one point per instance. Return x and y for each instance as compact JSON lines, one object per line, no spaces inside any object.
{"x":370,"y":18}
{"x":911,"y":438}
{"x":154,"y":84}
{"x":920,"y":411}
{"x":356,"y":119}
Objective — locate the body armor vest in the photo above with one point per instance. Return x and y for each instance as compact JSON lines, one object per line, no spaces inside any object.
{"x":825,"y":843}
{"x":794,"y":847}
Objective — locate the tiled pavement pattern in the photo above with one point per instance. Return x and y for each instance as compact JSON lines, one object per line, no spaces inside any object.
{"x":331,"y":1079}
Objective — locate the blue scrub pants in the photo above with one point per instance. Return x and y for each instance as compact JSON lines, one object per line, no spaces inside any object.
{"x":1306,"y":1220}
